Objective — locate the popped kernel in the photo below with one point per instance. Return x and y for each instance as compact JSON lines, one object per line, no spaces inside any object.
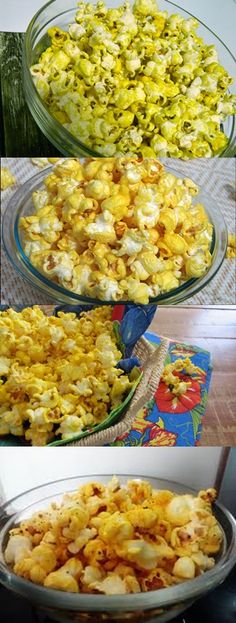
{"x":7,"y":178}
{"x":170,"y":375}
{"x":231,"y":247}
{"x":44,"y":162}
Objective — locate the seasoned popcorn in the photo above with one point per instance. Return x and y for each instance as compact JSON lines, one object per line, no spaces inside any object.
{"x":58,"y":375}
{"x":117,"y":539}
{"x":231,"y":247}
{"x":7,"y":178}
{"x":117,"y":229}
{"x":133,"y":79}
{"x":44,"y":162}
{"x":171,"y":377}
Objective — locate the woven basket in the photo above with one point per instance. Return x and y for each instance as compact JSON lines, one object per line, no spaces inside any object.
{"x":152,"y":360}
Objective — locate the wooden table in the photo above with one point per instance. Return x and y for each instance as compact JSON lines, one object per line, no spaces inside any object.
{"x":214,"y":329}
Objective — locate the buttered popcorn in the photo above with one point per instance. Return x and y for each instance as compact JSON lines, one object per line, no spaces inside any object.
{"x":133,"y":79}
{"x":58,"y":375}
{"x":117,"y":229}
{"x":7,"y":178}
{"x":115,"y":539}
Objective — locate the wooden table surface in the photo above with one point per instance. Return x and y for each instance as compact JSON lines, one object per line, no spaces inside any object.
{"x":213,"y":329}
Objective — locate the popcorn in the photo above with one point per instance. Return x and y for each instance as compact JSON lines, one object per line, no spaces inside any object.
{"x":4,"y":365}
{"x":184,"y":568}
{"x":109,"y":539}
{"x":58,"y":375}
{"x":136,"y":80}
{"x":7,"y":179}
{"x":44,"y":162}
{"x":65,"y":578}
{"x":117,"y":229}
{"x":17,"y":548}
{"x":38,"y":564}
{"x":231,"y":246}
{"x":111,"y":585}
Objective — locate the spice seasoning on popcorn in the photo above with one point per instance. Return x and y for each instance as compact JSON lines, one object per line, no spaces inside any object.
{"x":117,"y":540}
{"x":133,"y":79}
{"x":117,"y":229}
{"x":58,"y":375}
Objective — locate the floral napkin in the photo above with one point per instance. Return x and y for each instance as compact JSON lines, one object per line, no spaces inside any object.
{"x":165,"y":420}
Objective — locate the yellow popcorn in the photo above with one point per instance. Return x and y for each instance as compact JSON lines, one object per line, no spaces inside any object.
{"x":117,"y":229}
{"x":102,"y":228}
{"x":109,"y":539}
{"x":172,"y":379}
{"x":65,"y":578}
{"x":44,"y":162}
{"x":196,"y":266}
{"x":231,"y":248}
{"x":85,"y":535}
{"x":184,"y":568}
{"x":116,"y":528}
{"x":113,"y":585}
{"x":70,"y":427}
{"x":90,"y":575}
{"x":58,"y":375}
{"x":11,"y":420}
{"x":7,"y":179}
{"x":40,"y":561}
{"x":136,"y":80}
{"x":18,"y":547}
{"x":4,"y":365}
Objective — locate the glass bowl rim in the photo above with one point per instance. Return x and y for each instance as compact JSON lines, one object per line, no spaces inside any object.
{"x":37,"y":179}
{"x":52,"y":120}
{"x":152,"y":599}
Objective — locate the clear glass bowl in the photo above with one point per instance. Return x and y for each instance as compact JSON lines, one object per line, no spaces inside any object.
{"x":160,"y":605}
{"x":57,"y":13}
{"x":21,"y":205}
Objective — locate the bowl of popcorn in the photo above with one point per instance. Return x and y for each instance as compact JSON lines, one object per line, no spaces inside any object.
{"x":69,"y":377}
{"x":115,"y":230}
{"x":139,"y":78}
{"x":112,"y":549}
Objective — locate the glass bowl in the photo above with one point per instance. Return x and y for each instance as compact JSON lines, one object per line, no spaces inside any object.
{"x":57,"y":13}
{"x":158,"y":605}
{"x":21,"y":205}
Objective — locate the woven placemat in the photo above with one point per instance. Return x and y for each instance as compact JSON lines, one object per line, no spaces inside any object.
{"x":216,"y":176}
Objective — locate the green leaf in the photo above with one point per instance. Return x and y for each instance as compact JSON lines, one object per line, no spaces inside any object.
{"x":204,"y":400}
{"x":196,"y":419}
